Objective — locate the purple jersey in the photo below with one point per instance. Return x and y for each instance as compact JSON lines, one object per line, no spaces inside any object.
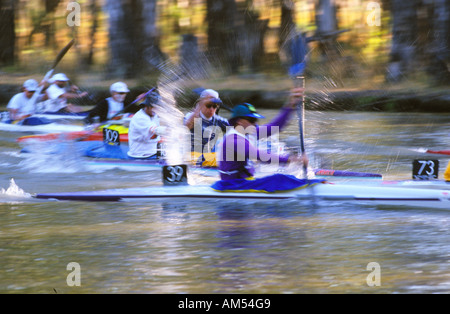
{"x":237,"y":149}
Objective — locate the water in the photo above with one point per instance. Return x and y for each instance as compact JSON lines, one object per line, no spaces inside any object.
{"x":232,"y":247}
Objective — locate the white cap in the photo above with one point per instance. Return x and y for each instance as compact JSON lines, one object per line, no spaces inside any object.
{"x":31,"y":85}
{"x":209,"y":93}
{"x":119,"y":87}
{"x":60,"y":77}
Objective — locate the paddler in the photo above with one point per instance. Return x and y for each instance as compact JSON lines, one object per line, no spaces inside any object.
{"x":21,"y":106}
{"x":59,"y":94}
{"x":145,"y":130}
{"x":206,"y":128}
{"x":111,"y":106}
{"x":238,"y":148}
{"x":447,"y":173}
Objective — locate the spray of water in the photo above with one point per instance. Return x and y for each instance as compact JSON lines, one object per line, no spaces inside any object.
{"x":13,"y":191}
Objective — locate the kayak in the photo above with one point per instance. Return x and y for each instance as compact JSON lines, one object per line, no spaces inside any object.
{"x":41,"y":128}
{"x":157,"y":164}
{"x":438,"y":152}
{"x":360,"y":194}
{"x":62,"y":116}
{"x":85,"y":136}
{"x":81,"y":135}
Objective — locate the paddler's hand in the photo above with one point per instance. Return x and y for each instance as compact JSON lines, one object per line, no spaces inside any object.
{"x":141,"y":96}
{"x":295,"y":96}
{"x":198,"y":109}
{"x":299,"y":159}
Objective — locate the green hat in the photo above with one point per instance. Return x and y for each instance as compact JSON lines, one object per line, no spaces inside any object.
{"x":245,"y":110}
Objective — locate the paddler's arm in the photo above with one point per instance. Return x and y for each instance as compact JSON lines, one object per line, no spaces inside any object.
{"x":282,"y":119}
{"x":252,"y":152}
{"x":189,"y":122}
{"x":13,"y":114}
{"x":71,"y":95}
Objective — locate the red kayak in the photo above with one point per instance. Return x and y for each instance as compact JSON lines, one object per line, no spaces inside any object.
{"x":73,"y":136}
{"x":439,"y":152}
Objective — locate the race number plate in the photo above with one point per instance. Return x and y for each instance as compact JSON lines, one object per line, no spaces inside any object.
{"x":175,"y":175}
{"x":425,"y":169}
{"x":111,"y":137}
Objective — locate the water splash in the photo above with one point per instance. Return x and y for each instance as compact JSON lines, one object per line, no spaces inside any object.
{"x":13,"y":191}
{"x":61,"y":156}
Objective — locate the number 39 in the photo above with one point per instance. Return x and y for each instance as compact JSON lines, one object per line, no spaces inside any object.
{"x":176,"y":173}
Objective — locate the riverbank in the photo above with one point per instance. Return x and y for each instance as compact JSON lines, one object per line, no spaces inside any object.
{"x":266,"y":92}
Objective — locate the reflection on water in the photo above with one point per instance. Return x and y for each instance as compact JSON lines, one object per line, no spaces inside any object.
{"x":231,"y":247}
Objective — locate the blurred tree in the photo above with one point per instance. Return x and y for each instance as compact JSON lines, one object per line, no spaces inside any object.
{"x":287,"y":25}
{"x":404,"y":36}
{"x":250,"y":33}
{"x":7,"y":32}
{"x":326,"y":23}
{"x":439,"y":48}
{"x":93,"y":7}
{"x":420,"y":39}
{"x":133,"y":37}
{"x":222,"y":38}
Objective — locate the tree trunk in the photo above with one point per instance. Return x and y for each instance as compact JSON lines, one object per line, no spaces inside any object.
{"x":287,"y":25}
{"x":152,"y":56}
{"x":438,"y":50}
{"x":7,"y":32}
{"x":222,"y":39}
{"x":404,"y":36}
{"x":192,"y":62}
{"x":326,"y":23}
{"x":132,"y":36}
{"x":93,"y":7}
{"x":250,"y":39}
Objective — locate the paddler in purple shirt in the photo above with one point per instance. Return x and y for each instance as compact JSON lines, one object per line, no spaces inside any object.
{"x":239,"y":144}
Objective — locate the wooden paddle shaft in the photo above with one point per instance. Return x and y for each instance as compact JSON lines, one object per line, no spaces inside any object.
{"x":300,"y":82}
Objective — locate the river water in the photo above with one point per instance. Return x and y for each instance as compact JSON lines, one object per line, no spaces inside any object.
{"x":235,"y":247}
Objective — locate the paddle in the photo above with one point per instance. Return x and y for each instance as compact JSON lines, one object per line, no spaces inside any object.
{"x":59,"y":57}
{"x":131,"y":104}
{"x":296,"y":72}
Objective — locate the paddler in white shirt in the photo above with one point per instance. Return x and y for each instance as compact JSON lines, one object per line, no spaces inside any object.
{"x":111,"y":106}
{"x":58,"y":95}
{"x":21,"y":105}
{"x":144,"y":131}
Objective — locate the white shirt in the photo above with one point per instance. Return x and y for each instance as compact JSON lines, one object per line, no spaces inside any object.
{"x":114,"y":107}
{"x":55,"y":102}
{"x":142,"y":137}
{"x":22,"y":104}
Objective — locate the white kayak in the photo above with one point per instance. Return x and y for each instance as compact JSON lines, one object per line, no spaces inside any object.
{"x":377,"y":195}
{"x":55,"y":116}
{"x":41,"y":128}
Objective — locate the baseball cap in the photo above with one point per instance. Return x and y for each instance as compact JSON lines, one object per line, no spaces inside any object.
{"x":60,"y":77}
{"x":209,"y":93}
{"x":153,"y":98}
{"x":245,"y":110}
{"x":31,"y":85}
{"x":119,"y":87}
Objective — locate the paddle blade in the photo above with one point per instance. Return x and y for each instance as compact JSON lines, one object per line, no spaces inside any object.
{"x":62,"y":53}
{"x":298,"y":51}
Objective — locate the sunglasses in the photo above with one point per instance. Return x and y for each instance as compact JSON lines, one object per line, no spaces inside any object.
{"x":215,"y":106}
{"x":250,"y":119}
